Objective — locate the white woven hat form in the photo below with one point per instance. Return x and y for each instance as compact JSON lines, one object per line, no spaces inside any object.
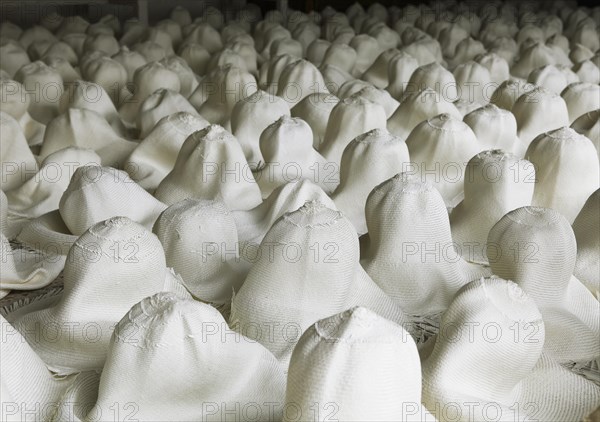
{"x":151,"y":50}
{"x":504,"y":135}
{"x":587,"y":233}
{"x":285,"y":46}
{"x":587,"y":72}
{"x":270,"y":71}
{"x":536,"y":248}
{"x":589,"y":126}
{"x":187,"y":79}
{"x":334,"y":77}
{"x":98,"y":68}
{"x":181,"y":15}
{"x":156,"y":154}
{"x":101,"y":42}
{"x":10,"y":31}
{"x":220,"y":91}
{"x":250,"y":117}
{"x":34,"y":34}
{"x":63,"y":67}
{"x":450,"y":37}
{"x":112,"y":266}
{"x":377,"y":73}
{"x":567,"y":170}
{"x":373,"y":362}
{"x":84,"y":128}
{"x":410,"y":254}
{"x":315,"y":110}
{"x":298,"y":80}
{"x":367,"y":49}
{"x":381,"y":97}
{"x":400,"y":69}
{"x":178,"y":360}
{"x":288,"y":154}
{"x":29,"y":390}
{"x":201,"y":245}
{"x":507,"y":94}
{"x":417,"y":106}
{"x":130,"y":60}
{"x":351,"y":117}
{"x":15,"y":102}
{"x":146,"y":80}
{"x":35,"y":75}
{"x":211,"y":163}
{"x":72,"y":24}
{"x":581,"y":98}
{"x":91,"y":96}
{"x":473,"y":82}
{"x":41,"y":194}
{"x":487,"y":362}
{"x":13,"y":56}
{"x":496,"y":182}
{"x":368,"y":160}
{"x":496,"y":65}
{"x":538,"y":111}
{"x":196,"y":56}
{"x":340,"y":55}
{"x":465,"y":107}
{"x":316,"y":51}
{"x":159,"y":104}
{"x":351,"y":87}
{"x":17,"y":160}
{"x":23,"y":269}
{"x":440,"y":149}
{"x":548,"y":77}
{"x":253,"y":224}
{"x":306,"y":269}
{"x":436,"y":77}
{"x":535,"y":56}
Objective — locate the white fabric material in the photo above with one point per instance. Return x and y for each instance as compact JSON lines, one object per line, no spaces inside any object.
{"x":356,"y":350}
{"x":201,"y":245}
{"x":474,"y":368}
{"x":368,"y":160}
{"x":504,"y":133}
{"x":155,"y":156}
{"x":423,"y":273}
{"x":307,"y":269}
{"x":439,"y":151}
{"x":17,"y":160}
{"x":161,"y":103}
{"x":567,"y":170}
{"x":35,"y":75}
{"x":587,"y":233}
{"x":215,"y":158}
{"x":315,"y":110}
{"x":208,"y":374}
{"x":111,"y":267}
{"x":536,"y":248}
{"x":15,"y":102}
{"x":495,"y":183}
{"x":581,"y":98}
{"x":288,"y":154}
{"x":589,"y":126}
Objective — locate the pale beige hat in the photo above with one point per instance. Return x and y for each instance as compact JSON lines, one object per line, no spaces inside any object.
{"x":581,"y":98}
{"x":537,"y":55}
{"x":496,"y":182}
{"x":417,"y":106}
{"x":253,"y":224}
{"x":400,"y":69}
{"x":208,"y":372}
{"x":373,"y":362}
{"x":351,"y":117}
{"x":112,"y":266}
{"x":201,"y":245}
{"x":210,"y":164}
{"x":410,"y":253}
{"x":508,"y":92}
{"x":85,"y":128}
{"x":187,"y":79}
{"x":474,"y":82}
{"x":130,"y":60}
{"x":587,"y":234}
{"x":377,"y":73}
{"x":536,"y":248}
{"x":436,"y":77}
{"x":13,"y":56}
{"x":155,"y":156}
{"x":311,"y":271}
{"x":538,"y":111}
{"x":549,"y":77}
{"x":15,"y":102}
{"x":18,"y":162}
{"x":368,"y":160}
{"x":496,"y":65}
{"x":250,"y":117}
{"x":35,"y":76}
{"x":488,"y":358}
{"x":151,"y":50}
{"x":161,"y":103}
{"x":106,"y":72}
{"x":196,"y":56}
{"x":588,"y":125}
{"x":567,"y":170}
{"x":440,"y":148}
{"x":504,"y":135}
{"x":315,"y":110}
{"x":298,"y":80}
{"x":367,"y":49}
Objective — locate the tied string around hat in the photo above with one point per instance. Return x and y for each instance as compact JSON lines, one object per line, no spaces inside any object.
{"x":307,"y":269}
{"x":110,"y":267}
